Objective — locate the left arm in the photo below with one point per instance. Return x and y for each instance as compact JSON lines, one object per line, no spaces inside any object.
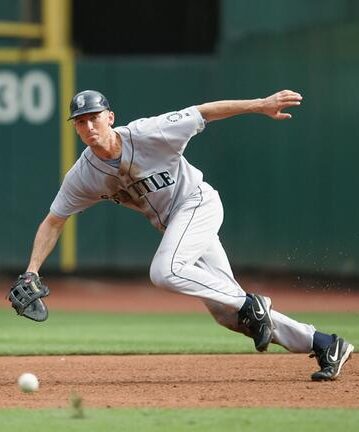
{"x":271,"y":106}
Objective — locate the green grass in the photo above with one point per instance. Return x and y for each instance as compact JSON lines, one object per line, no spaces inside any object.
{"x":110,"y":333}
{"x":181,"y":420}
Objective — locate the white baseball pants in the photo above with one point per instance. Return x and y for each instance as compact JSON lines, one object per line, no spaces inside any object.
{"x":191,"y":260}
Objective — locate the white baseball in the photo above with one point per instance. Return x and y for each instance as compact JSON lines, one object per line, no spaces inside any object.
{"x":28,"y":382}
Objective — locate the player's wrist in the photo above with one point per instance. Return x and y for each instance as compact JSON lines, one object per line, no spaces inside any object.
{"x":32,"y":270}
{"x":259,"y":105}
{"x":255,"y":106}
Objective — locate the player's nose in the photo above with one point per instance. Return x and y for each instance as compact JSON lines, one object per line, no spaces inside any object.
{"x":89,"y":125}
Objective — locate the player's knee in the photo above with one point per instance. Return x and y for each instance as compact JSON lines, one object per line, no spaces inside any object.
{"x":165,"y":273}
{"x":159,"y":274}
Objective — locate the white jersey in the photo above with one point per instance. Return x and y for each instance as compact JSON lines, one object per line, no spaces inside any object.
{"x":153,"y":177}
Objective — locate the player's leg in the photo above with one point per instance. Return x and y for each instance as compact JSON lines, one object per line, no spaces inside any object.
{"x":189,"y":236}
{"x":190,"y":239}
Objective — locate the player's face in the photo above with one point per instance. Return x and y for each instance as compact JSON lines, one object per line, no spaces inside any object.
{"x":93,"y":128}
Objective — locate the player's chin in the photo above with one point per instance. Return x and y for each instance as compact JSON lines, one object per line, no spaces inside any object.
{"x":91,"y":141}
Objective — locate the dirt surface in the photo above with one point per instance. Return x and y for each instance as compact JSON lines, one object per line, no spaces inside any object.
{"x":180,"y":380}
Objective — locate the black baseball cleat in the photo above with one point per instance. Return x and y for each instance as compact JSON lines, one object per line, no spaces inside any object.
{"x":332,"y":359}
{"x":255,"y":315}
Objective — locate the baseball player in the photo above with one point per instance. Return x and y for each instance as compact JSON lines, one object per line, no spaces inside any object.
{"x":141,"y":166}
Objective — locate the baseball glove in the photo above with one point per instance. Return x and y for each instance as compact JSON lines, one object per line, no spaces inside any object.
{"x":25,"y":297}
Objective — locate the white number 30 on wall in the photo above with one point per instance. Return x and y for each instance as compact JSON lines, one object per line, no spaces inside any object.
{"x":31,"y":97}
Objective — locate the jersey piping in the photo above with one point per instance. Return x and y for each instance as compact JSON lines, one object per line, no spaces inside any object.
{"x":129,"y":174}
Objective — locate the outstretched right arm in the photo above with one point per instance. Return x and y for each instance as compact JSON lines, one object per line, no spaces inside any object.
{"x":270,"y":106}
{"x":45,"y":240}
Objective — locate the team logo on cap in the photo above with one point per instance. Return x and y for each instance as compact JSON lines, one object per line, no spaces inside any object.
{"x":80,"y":101}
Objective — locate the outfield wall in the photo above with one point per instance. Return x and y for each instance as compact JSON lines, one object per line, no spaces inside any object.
{"x":288,"y":188}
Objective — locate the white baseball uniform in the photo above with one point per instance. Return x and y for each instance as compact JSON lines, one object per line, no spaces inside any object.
{"x":153,"y":177}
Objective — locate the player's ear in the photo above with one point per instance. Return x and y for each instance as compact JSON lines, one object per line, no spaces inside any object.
{"x":111,"y":118}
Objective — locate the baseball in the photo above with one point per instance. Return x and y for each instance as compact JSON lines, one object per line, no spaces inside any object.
{"x":28,"y":382}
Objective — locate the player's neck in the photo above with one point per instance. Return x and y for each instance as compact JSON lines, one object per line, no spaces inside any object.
{"x":111,"y":148}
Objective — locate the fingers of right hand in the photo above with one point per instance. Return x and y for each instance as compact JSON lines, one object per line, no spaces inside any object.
{"x":292,"y":97}
{"x":289,"y":104}
{"x":290,"y":93}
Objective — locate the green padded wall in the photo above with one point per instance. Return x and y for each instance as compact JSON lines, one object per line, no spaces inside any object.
{"x":288,"y":187}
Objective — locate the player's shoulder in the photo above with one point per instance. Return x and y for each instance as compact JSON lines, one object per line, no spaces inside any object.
{"x":143,"y":124}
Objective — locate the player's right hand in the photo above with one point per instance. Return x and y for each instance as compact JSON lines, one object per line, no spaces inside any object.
{"x":274,"y":104}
